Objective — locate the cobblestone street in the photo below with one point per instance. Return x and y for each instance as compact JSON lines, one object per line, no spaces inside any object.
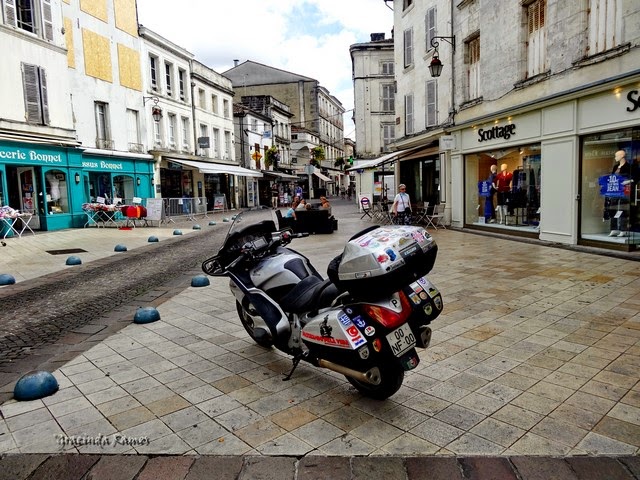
{"x":532,"y":372}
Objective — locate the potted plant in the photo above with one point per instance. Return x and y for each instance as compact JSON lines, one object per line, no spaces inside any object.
{"x":271,"y":157}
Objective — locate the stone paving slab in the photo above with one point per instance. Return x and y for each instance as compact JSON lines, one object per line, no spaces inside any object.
{"x":125,"y":467}
{"x":535,"y":356}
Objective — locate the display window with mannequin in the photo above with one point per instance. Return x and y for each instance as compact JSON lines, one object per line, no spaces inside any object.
{"x":502,"y":188}
{"x":609,"y":188}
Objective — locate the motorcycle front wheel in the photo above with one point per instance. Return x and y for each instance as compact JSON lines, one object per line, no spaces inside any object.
{"x":247,"y":322}
{"x":391,"y":377}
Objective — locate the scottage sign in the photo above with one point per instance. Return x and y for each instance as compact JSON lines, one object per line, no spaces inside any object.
{"x":497,"y":132}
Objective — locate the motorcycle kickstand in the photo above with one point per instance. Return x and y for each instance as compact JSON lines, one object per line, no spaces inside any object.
{"x":296,"y":361}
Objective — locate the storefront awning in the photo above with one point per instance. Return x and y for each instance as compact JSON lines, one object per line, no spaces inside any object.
{"x":281,"y":175}
{"x":318,"y":173}
{"x":388,"y":158}
{"x":217,"y":168}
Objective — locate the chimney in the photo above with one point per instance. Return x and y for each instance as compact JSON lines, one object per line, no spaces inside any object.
{"x":235,"y":62}
{"x":376,"y":37}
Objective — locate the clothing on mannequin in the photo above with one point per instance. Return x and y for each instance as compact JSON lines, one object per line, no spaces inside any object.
{"x":503,"y":186}
{"x":613,"y":205}
{"x":54,"y":186}
{"x":489,"y":208}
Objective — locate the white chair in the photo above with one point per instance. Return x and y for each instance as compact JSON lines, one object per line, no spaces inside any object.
{"x":435,"y":220}
{"x":421,"y":214}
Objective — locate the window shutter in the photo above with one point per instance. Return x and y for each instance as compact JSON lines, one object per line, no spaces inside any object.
{"x":10,"y":13}
{"x":432,"y":103}
{"x":430,"y":27}
{"x":408,"y":47}
{"x":44,"y":95}
{"x":47,"y":20}
{"x":31,"y":93}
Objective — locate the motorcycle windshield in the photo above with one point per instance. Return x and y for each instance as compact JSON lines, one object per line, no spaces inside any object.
{"x":247,"y":226}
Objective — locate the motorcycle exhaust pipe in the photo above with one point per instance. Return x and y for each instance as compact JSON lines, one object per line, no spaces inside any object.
{"x":371,"y":376}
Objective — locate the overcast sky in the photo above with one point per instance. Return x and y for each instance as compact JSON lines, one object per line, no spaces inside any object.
{"x":307,"y":37}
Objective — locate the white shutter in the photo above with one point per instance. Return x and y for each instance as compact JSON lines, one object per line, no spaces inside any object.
{"x":10,"y":13}
{"x":47,"y":20}
{"x":432,"y":103}
{"x":408,"y":47}
{"x":31,"y":93}
{"x":537,"y":38}
{"x":44,"y":95}
{"x":473,"y":71}
{"x":408,"y":114}
{"x":430,"y":27}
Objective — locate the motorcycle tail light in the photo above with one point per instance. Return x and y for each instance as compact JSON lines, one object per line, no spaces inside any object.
{"x":386,"y":317}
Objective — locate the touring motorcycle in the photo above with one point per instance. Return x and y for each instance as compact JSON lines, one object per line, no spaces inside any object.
{"x":364,"y":321}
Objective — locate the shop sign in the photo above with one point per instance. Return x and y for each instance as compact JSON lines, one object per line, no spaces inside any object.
{"x":497,"y":132}
{"x":31,"y":156}
{"x":103,"y":165}
{"x":634,"y":98}
{"x":613,"y":186}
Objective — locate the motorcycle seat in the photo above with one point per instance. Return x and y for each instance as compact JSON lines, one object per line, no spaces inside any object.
{"x":309,"y":294}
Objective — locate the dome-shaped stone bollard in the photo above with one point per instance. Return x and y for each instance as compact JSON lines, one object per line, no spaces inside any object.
{"x":200,"y":281}
{"x":120,"y":248}
{"x":73,"y":260}
{"x":196,"y":227}
{"x":177,"y":232}
{"x":212,"y":222}
{"x":6,"y":279}
{"x":146,"y":315}
{"x":225,"y":219}
{"x":35,"y":385}
{"x":153,"y":239}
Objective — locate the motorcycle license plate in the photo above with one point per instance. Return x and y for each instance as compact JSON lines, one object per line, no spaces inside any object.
{"x":401,"y":340}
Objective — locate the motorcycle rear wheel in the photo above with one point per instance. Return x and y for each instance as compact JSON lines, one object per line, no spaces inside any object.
{"x":391,"y":375}
{"x":249,"y":326}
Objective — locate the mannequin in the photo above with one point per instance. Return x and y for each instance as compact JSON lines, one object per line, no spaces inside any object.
{"x":503,"y":186}
{"x":618,"y":225}
{"x":489,"y":209}
{"x":54,"y":186}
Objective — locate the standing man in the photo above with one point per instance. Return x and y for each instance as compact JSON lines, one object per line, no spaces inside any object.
{"x":275,"y":195}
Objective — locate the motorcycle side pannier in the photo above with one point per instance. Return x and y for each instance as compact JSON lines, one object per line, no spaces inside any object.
{"x":380,"y":261}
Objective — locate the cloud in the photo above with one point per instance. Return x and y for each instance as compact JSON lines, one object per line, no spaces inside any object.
{"x":308,"y":37}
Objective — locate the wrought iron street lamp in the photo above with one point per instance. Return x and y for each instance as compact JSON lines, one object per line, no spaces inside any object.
{"x":435,"y":67}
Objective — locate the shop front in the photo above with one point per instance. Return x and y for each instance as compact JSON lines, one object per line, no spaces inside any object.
{"x":52,"y":183}
{"x":566,"y":173}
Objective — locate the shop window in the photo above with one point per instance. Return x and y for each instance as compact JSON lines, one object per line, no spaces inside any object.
{"x":609,"y":193}
{"x":100,"y":188}
{"x":605,"y":25}
{"x":506,"y":196}
{"x":123,"y":189}
{"x":537,"y":37}
{"x":33,"y":16}
{"x":56,"y":192}
{"x":36,"y":99}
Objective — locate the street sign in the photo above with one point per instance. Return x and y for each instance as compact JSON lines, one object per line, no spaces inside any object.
{"x":256,"y":156}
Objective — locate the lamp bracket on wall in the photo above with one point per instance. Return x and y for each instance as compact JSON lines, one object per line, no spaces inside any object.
{"x":450,"y":40}
{"x":155,"y":100}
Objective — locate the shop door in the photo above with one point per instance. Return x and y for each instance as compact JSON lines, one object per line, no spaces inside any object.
{"x":27,"y":183}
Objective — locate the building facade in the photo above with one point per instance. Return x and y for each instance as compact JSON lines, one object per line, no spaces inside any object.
{"x":551,"y":102}
{"x":317,"y":115}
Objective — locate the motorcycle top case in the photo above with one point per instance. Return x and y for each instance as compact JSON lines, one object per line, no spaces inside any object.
{"x":382,"y":260}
